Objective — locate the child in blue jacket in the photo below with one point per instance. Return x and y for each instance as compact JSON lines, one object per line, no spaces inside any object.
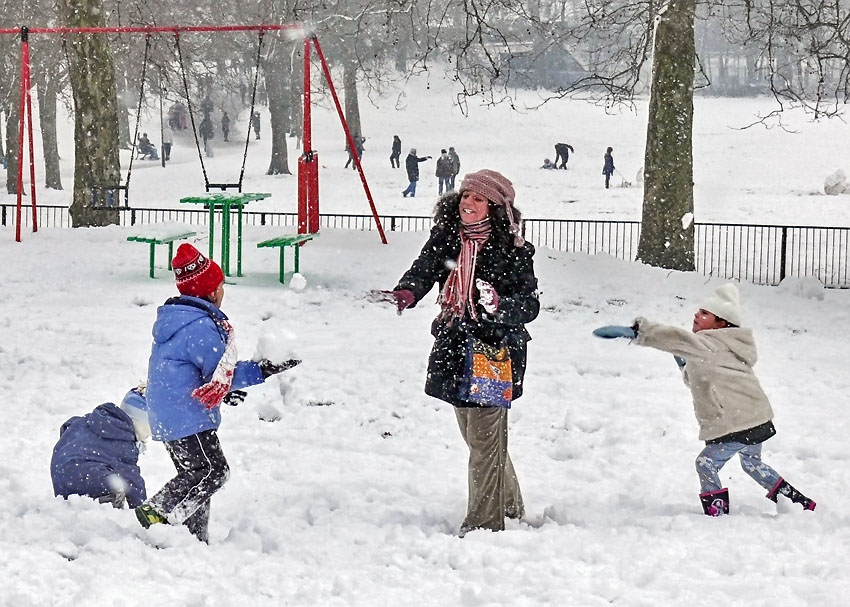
{"x":192,"y":368}
{"x":97,"y":453}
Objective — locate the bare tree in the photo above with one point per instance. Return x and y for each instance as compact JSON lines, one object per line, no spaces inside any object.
{"x":92,"y":77}
{"x":667,"y":233}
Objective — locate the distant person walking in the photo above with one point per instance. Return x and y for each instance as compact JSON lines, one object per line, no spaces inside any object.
{"x":608,"y":167}
{"x":562,"y":153}
{"x":455,"y":165}
{"x":255,"y":124}
{"x":167,"y":141}
{"x":206,"y":131}
{"x":395,"y":154}
{"x":225,"y":126}
{"x":411,"y":163}
{"x":358,"y":146}
{"x":444,"y":171}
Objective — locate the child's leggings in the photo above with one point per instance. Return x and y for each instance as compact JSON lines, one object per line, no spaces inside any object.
{"x":201,"y":471}
{"x":714,"y":457}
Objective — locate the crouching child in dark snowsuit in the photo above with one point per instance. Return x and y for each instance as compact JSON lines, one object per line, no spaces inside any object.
{"x":192,"y":368}
{"x":97,"y":453}
{"x":734,"y":414}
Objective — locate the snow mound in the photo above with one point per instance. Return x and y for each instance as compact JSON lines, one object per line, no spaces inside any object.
{"x":835,"y":184}
{"x":807,"y":287}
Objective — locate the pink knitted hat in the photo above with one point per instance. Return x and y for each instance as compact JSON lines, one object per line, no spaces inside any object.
{"x":498,"y":189}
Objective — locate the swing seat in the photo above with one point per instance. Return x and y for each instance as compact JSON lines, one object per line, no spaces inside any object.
{"x":224,"y":187}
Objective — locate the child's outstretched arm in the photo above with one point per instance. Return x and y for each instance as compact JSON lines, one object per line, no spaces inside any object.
{"x":666,"y":338}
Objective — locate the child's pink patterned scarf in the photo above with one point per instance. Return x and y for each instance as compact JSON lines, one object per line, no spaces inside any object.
{"x":214,"y":391}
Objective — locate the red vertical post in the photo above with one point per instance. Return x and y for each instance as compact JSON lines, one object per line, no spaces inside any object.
{"x":25,"y":59}
{"x":307,"y":156}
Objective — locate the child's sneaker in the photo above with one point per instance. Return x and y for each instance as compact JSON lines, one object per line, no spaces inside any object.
{"x":148,"y":516}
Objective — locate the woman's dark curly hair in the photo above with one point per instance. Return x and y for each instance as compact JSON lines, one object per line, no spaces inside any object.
{"x":447,"y":217}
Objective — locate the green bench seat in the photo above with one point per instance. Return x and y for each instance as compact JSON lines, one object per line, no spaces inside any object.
{"x":164,"y":238}
{"x":282,"y":242}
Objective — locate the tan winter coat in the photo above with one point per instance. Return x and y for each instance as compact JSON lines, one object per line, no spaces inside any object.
{"x":719,"y":371}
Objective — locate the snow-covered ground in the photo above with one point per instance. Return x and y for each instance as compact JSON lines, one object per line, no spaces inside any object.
{"x":353,"y":493}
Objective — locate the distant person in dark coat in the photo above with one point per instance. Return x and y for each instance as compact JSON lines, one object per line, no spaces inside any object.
{"x":255,"y":124}
{"x":411,"y":163}
{"x":562,"y":153}
{"x":97,"y":453}
{"x":207,"y":132}
{"x":225,"y":126}
{"x":444,"y":171}
{"x":455,"y":165}
{"x":396,"y":152}
{"x":358,"y":145}
{"x":608,"y":167}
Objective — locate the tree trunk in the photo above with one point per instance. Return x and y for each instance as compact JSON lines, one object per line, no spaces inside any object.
{"x":277,"y":88}
{"x":352,"y":105}
{"x":47,"y":121}
{"x":13,"y":117}
{"x":667,"y":237}
{"x":95,"y":115}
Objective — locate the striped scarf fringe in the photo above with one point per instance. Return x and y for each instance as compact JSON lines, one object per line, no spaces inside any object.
{"x":457,"y":295}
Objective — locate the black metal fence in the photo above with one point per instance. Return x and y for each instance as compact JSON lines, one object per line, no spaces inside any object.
{"x":762,"y":254}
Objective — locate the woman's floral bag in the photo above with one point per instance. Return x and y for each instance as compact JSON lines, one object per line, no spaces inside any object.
{"x":487,"y":377}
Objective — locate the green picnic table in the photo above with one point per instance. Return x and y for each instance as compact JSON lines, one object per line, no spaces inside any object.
{"x":224,"y":202}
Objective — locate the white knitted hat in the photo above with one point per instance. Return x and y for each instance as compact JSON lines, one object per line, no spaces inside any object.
{"x":725,"y":304}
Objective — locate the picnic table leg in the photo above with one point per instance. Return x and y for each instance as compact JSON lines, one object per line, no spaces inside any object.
{"x":170,"y":254}
{"x":239,"y":242}
{"x":152,"y":257}
{"x":212,"y":230}
{"x":297,"y":256}
{"x":282,"y":249}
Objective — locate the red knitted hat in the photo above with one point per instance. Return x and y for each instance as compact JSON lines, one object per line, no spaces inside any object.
{"x":196,"y":274}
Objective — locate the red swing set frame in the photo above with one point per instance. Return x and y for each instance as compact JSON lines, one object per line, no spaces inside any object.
{"x":308,"y":162}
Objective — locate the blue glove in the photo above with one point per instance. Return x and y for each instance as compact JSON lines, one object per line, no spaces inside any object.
{"x":612,"y":331}
{"x":680,"y":361}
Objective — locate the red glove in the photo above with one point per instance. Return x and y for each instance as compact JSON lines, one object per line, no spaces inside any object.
{"x":402,"y":298}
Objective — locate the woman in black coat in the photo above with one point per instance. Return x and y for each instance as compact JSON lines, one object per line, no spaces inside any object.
{"x":488,"y":291}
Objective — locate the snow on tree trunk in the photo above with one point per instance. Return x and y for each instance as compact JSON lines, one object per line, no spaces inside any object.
{"x":277,"y":87}
{"x":668,"y":175}
{"x":47,"y":93}
{"x":95,"y":112}
{"x":352,"y":104}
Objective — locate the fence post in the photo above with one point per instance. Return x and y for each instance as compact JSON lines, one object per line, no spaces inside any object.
{"x":132,"y":217}
{"x":263,"y":218}
{"x":392,"y":223}
{"x":4,"y":215}
{"x":783,"y":253}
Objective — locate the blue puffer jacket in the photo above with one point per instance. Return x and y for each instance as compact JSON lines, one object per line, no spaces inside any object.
{"x":94,"y":447}
{"x":187,"y":345}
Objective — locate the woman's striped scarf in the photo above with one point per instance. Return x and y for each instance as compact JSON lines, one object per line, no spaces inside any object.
{"x":457,"y":295}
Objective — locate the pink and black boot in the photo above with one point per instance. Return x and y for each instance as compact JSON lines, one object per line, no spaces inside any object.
{"x":715,"y":503}
{"x":783,"y":487}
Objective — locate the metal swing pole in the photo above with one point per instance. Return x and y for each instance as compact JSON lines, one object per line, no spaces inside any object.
{"x":308,"y":163}
{"x":25,"y":121}
{"x":348,"y":137}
